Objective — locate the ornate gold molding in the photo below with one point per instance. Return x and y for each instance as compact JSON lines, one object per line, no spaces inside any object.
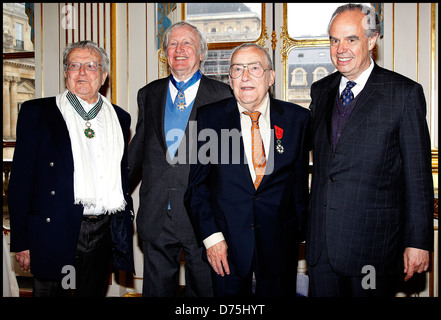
{"x":263,"y":36}
{"x":274,"y":40}
{"x":289,"y":43}
{"x":162,"y":64}
{"x":435,"y":161}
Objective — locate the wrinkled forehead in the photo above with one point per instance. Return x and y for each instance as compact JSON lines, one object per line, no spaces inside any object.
{"x":84,"y":54}
{"x":183,"y":32}
{"x":249,"y":55}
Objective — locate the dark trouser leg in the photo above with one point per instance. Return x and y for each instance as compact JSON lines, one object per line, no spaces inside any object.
{"x":161,"y":264}
{"x":47,"y":288}
{"x":198,"y":281}
{"x":325,"y":282}
{"x":92,"y":260}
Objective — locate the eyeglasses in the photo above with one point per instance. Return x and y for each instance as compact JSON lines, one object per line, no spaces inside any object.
{"x":254,"y":69}
{"x":89,"y":66}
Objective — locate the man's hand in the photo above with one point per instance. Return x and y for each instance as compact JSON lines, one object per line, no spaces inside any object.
{"x":415,"y":260}
{"x":24,"y":259}
{"x":217,"y":257}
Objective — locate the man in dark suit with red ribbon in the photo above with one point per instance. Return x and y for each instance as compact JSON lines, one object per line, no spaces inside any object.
{"x":372,"y":190}
{"x":248,"y":191}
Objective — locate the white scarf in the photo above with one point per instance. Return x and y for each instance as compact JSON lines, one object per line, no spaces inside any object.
{"x":84,"y":186}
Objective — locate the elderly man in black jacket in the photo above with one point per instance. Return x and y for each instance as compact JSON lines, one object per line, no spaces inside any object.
{"x":68,"y":194}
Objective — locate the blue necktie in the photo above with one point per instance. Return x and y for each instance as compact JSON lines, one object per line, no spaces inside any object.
{"x":347,"y":96}
{"x":182,"y":86}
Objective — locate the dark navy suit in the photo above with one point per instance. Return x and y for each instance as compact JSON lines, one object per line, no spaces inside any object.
{"x":44,"y":218}
{"x":372,"y":195}
{"x":261,"y":227}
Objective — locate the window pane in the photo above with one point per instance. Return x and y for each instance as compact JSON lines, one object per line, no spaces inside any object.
{"x":18,"y":74}
{"x":18,"y":87}
{"x":305,"y":66}
{"x":217,"y":64}
{"x":226,"y":22}
{"x":16,"y":29}
{"x":310,"y":20}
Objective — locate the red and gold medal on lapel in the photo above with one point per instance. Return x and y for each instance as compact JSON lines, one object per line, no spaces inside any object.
{"x":279,"y":135}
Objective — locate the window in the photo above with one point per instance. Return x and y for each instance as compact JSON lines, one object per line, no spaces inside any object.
{"x":225,"y":26}
{"x":298,"y":77}
{"x":320,"y":73}
{"x":307,"y":48}
{"x":18,"y":82}
{"x":19,"y":44}
{"x":18,"y":69}
{"x":224,"y":19}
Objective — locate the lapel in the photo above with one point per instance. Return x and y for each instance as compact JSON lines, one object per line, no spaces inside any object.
{"x":203,"y":96}
{"x":276,"y":118}
{"x":158,"y":102}
{"x":362,"y":108}
{"x":330,"y":104}
{"x":232,"y":122}
{"x":59,"y":131}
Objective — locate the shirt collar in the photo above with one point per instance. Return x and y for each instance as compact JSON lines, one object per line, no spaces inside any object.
{"x":263,"y":109}
{"x":361,"y":80}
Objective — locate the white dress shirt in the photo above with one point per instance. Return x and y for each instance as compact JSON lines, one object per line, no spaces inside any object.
{"x":190,"y":93}
{"x":265,"y":132}
{"x":360,"y":81}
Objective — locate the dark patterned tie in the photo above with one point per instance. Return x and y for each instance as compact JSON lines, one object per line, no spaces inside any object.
{"x":347,"y":96}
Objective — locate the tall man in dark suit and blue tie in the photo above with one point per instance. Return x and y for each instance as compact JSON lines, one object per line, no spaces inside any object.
{"x":247,"y":197}
{"x":159,"y":154}
{"x":371,"y":206}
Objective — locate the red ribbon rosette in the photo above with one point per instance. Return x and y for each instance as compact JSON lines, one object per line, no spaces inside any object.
{"x":279,"y":132}
{"x":279,"y":135}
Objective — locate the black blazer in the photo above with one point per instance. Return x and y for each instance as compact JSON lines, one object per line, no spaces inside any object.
{"x":373,"y":195}
{"x":221,"y":196}
{"x":44,"y":218}
{"x":163,"y":182}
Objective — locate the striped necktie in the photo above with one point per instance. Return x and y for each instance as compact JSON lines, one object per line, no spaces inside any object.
{"x":259,"y":160}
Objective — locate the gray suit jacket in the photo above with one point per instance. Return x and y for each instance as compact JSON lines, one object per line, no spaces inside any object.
{"x":373,"y":195}
{"x":163,"y":182}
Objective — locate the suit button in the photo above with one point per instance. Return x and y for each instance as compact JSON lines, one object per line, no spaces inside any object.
{"x":251,"y":226}
{"x":48,"y":220}
{"x":51,"y":164}
{"x":52,"y":192}
{"x":331,"y":179}
{"x":256,"y":197}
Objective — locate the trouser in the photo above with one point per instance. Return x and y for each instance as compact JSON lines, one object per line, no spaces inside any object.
{"x":92,"y":264}
{"x":162,"y":265}
{"x":256,"y":284}
{"x":325,"y":282}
